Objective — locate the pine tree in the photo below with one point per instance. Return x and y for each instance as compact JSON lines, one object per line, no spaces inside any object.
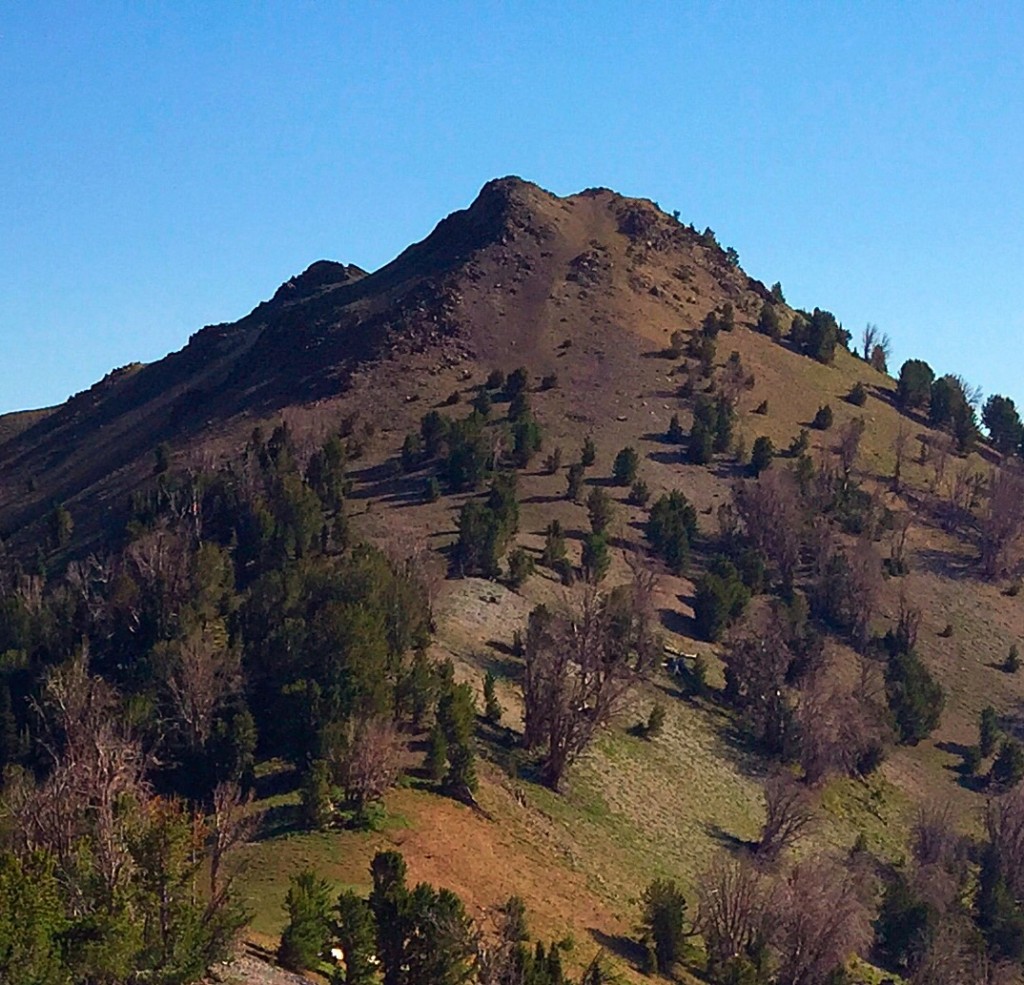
{"x":456,"y":714}
{"x":355,"y":932}
{"x":305,"y":937}
{"x":492,"y":707}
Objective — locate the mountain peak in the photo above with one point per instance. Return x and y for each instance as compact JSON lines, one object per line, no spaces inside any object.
{"x":318,"y":276}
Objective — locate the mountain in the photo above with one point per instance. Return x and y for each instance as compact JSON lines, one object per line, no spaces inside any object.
{"x":506,"y":280}
{"x":622,"y":318}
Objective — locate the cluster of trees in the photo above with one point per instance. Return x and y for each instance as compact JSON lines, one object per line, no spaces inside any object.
{"x":952,"y":404}
{"x":99,"y":874}
{"x":230,"y":617}
{"x":949,"y":914}
{"x":415,"y":935}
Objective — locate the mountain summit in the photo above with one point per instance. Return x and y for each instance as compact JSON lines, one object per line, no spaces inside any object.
{"x":510,"y":279}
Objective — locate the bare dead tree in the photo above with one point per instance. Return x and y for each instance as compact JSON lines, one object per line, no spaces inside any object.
{"x":902,"y":523}
{"x":837,"y":726}
{"x":869,"y":339}
{"x":371,"y":760}
{"x":940,"y":451}
{"x":908,"y":625}
{"x":769,"y":508}
{"x":848,"y":446}
{"x":900,"y":448}
{"x":581,"y":667}
{"x":1004,"y":820}
{"x":881,"y":354}
{"x":758,"y":663}
{"x":789,"y":812}
{"x":934,"y":839}
{"x":1002,"y":524}
{"x":98,"y":765}
{"x":204,"y":672}
{"x":820,"y":921}
{"x":733,"y":911}
{"x":232,"y":822}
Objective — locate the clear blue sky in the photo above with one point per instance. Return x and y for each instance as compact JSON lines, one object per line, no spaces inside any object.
{"x":166,"y":165}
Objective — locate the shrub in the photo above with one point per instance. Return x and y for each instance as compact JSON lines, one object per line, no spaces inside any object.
{"x":624,"y":469}
{"x":639,"y":493}
{"x":655,"y":721}
{"x":823,"y":418}
{"x":1012,"y":663}
{"x":520,"y":567}
{"x":589,"y":453}
{"x":858,"y":394}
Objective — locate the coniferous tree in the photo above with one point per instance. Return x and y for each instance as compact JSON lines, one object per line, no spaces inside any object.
{"x":305,"y":937}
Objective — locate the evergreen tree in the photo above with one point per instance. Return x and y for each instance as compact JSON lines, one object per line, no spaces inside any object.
{"x":456,"y":714}
{"x":761,"y":455}
{"x":913,"y":388}
{"x":595,"y":559}
{"x":600,"y":510}
{"x":492,"y":707}
{"x":554,"y":544}
{"x":575,"y":482}
{"x":355,"y":932}
{"x":671,"y":528}
{"x":663,"y":923}
{"x":625,"y":466}
{"x":305,"y":938}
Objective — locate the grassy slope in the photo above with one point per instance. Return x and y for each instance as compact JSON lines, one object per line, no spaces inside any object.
{"x":636,"y":809}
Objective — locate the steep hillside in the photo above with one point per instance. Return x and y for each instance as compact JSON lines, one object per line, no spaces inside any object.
{"x":509,"y":278}
{"x":601,"y":300}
